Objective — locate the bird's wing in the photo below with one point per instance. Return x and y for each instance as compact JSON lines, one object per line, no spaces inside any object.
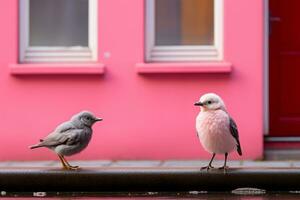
{"x":66,"y":133}
{"x":64,"y":127}
{"x":234,"y":132}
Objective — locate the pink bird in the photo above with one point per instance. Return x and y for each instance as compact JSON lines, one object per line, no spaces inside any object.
{"x":216,"y":130}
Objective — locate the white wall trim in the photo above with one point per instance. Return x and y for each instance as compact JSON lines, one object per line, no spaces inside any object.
{"x":45,"y":54}
{"x":23,"y":28}
{"x":184,"y":53}
{"x":219,"y":27}
{"x":93,"y":28}
{"x":150,"y":28}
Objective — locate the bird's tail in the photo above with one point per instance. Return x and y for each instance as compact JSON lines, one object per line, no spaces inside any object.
{"x":239,"y":149}
{"x":35,"y":146}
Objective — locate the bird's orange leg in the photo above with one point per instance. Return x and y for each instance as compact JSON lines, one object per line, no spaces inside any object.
{"x":70,"y":167}
{"x":65,"y":166}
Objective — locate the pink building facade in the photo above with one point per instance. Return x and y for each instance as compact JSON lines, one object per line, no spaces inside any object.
{"x":147,"y":107}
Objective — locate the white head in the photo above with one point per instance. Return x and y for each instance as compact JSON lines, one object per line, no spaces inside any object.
{"x":211,"y":101}
{"x":85,"y":118}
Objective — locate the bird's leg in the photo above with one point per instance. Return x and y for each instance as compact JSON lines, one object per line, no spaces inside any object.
{"x":209,"y":166}
{"x":225,"y":162}
{"x":65,"y":166}
{"x":68,"y":165}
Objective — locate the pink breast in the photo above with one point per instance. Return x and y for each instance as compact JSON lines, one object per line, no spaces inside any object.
{"x":214,"y":132}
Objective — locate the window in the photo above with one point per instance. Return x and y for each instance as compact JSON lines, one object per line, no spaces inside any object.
{"x":58,"y":31}
{"x":184,"y":30}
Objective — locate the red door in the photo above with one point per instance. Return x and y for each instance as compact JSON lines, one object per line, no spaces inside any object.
{"x":284,"y":67}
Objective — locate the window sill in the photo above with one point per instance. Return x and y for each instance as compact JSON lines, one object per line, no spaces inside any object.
{"x":208,"y":67}
{"x":40,"y":68}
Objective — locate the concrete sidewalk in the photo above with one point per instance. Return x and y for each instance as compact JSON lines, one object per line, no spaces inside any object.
{"x":150,"y":163}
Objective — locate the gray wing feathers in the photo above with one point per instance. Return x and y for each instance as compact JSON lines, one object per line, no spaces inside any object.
{"x":65,"y":133}
{"x":64,"y":127}
{"x":234,"y":132}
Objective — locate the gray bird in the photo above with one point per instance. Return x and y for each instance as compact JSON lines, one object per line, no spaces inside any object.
{"x":70,"y":137}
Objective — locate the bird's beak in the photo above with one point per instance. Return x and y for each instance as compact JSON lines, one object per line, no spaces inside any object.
{"x":198,"y":104}
{"x":98,"y":119}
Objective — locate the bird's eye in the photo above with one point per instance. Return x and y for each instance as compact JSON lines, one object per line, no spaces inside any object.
{"x":88,"y":118}
{"x":209,"y":102}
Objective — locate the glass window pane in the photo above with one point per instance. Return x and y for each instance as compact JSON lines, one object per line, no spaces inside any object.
{"x":58,"y":22}
{"x":184,"y":22}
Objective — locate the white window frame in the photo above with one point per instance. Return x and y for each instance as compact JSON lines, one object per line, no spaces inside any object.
{"x":184,"y":53}
{"x":46,"y":54}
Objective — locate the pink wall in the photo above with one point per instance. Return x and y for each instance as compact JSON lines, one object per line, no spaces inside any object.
{"x":148,"y":116}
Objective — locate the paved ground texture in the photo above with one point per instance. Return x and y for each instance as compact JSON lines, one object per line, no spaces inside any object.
{"x":150,"y":163}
